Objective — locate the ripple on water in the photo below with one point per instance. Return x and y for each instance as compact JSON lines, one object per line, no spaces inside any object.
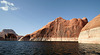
{"x":47,"y":48}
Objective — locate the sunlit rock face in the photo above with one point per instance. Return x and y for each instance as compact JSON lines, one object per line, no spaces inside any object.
{"x":59,"y":30}
{"x":91,"y":32}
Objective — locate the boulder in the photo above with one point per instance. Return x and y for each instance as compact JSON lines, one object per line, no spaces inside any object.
{"x":90,"y":33}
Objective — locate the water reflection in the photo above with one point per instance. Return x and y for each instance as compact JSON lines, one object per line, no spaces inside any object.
{"x":47,"y":48}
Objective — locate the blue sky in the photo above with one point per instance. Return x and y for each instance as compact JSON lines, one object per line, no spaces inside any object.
{"x":27,"y":16}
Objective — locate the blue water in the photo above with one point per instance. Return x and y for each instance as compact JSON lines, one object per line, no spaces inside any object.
{"x":47,"y":48}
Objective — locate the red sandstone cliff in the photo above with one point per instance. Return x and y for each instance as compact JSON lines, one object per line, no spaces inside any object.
{"x":58,"y":30}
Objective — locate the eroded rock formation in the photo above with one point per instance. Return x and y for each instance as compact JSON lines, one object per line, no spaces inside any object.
{"x":8,"y":34}
{"x":58,"y":30}
{"x":10,"y":37}
{"x":90,"y":33}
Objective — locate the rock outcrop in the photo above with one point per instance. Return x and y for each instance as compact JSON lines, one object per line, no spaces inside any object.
{"x":7,"y":34}
{"x":19,"y":36}
{"x":58,"y":30}
{"x":10,"y":37}
{"x":25,"y":38}
{"x":5,"y":31}
{"x":90,"y":33}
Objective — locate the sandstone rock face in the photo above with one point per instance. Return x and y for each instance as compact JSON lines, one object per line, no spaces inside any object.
{"x":92,"y":24}
{"x":6,"y":33}
{"x":58,"y":30}
{"x":91,"y":32}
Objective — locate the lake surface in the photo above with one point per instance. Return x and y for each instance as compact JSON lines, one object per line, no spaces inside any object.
{"x":47,"y":48}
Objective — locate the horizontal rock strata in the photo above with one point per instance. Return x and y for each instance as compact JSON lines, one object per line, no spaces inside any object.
{"x":90,"y":33}
{"x":90,"y":36}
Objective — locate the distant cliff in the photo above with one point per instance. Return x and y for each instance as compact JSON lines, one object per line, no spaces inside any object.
{"x":8,"y":34}
{"x":5,"y":31}
{"x":58,"y":30}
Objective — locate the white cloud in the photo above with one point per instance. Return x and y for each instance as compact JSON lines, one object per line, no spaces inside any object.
{"x":7,"y":5}
{"x":4,"y":8}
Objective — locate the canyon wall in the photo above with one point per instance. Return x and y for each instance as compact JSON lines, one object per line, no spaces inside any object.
{"x":58,"y":30}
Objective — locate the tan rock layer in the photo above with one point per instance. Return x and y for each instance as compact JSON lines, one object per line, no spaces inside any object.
{"x":90,"y":33}
{"x":90,"y":36}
